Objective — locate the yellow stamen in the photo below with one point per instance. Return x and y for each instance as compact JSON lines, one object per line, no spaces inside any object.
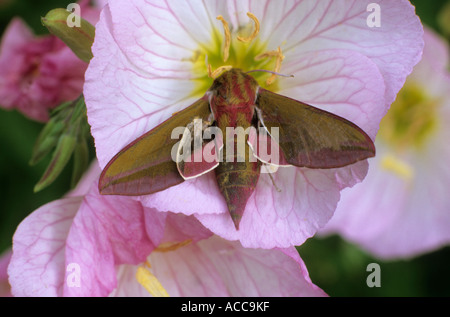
{"x":255,"y":31}
{"x":266,"y":55}
{"x":399,"y":167}
{"x":214,"y":74}
{"x":150,"y":282}
{"x":226,"y":49}
{"x":279,"y":59}
{"x":172,"y":246}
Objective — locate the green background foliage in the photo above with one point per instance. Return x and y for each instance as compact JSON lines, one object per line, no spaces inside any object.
{"x":337,"y":266}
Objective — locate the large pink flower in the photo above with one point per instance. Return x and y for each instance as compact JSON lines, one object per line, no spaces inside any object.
{"x":87,"y":244}
{"x":403,"y":208}
{"x":149,"y":62}
{"x":37,"y":73}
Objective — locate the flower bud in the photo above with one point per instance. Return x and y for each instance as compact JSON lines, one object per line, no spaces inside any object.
{"x":65,"y":135}
{"x":78,"y":36}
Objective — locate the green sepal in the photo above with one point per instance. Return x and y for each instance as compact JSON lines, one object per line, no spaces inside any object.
{"x":80,"y":161}
{"x":47,"y":140}
{"x":66,"y":134}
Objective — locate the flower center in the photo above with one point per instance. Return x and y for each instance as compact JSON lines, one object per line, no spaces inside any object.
{"x":411,"y":120}
{"x":240,"y":48}
{"x":408,"y":125}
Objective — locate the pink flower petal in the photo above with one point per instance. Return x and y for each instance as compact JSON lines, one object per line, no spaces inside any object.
{"x":37,"y":264}
{"x":345,"y":83}
{"x":395,"y":47}
{"x":306,"y":202}
{"x":216,"y":267}
{"x":152,"y":95}
{"x":108,"y":231}
{"x":85,"y":183}
{"x":185,"y":197}
{"x":180,"y":228}
{"x":211,"y":266}
{"x":394,"y":217}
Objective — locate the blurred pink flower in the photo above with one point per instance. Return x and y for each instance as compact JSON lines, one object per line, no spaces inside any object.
{"x":111,"y":242}
{"x":5,"y":288}
{"x":402,"y":208}
{"x":37,"y":73}
{"x":149,"y":62}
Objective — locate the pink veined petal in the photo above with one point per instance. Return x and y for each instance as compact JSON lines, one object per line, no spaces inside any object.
{"x":154,"y":82}
{"x":108,"y":231}
{"x":211,"y":266}
{"x":343,"y":82}
{"x":313,"y":26}
{"x":185,"y":198}
{"x":180,"y":228}
{"x":216,"y":267}
{"x":280,"y":219}
{"x":85,"y":183}
{"x":37,"y":264}
{"x":127,"y":285}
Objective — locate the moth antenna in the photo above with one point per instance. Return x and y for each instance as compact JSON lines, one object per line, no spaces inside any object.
{"x":269,"y":71}
{"x":273,"y":183}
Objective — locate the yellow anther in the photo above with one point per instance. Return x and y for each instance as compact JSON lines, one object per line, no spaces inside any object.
{"x":279,"y":59}
{"x":255,"y":31}
{"x":172,"y":246}
{"x":226,"y":49}
{"x":150,"y":282}
{"x":399,"y":167}
{"x":214,"y":74}
{"x":266,"y":55}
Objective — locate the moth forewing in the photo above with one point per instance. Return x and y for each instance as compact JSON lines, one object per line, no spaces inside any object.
{"x":264,"y":146}
{"x":311,"y":137}
{"x":147,"y":165}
